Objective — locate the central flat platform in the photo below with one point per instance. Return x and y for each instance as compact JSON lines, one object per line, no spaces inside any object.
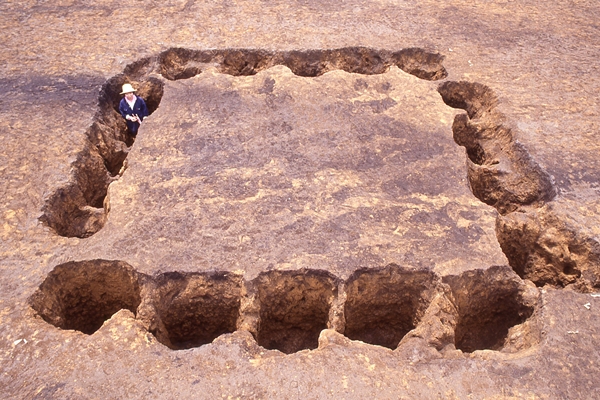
{"x":278,"y":171}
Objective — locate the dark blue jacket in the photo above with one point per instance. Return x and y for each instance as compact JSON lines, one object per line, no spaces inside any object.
{"x":139,"y":109}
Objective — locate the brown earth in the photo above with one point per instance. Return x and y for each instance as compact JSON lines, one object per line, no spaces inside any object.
{"x":366,"y":199}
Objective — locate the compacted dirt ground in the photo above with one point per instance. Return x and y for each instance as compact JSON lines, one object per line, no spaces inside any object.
{"x":329,"y":200}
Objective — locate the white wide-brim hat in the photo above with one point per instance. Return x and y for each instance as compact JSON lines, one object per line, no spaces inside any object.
{"x":127,"y":88}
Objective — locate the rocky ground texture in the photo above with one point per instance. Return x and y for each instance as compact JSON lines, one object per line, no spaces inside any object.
{"x":351,"y":200}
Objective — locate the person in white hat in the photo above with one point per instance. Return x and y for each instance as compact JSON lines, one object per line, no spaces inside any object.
{"x":132,"y":108}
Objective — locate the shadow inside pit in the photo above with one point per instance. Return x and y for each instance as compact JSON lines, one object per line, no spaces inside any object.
{"x":383,"y":305}
{"x":196,"y":308}
{"x":294,"y":308}
{"x":489,"y":303}
{"x":83,"y":295}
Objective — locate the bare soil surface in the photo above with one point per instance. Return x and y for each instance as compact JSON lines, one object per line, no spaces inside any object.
{"x":366,"y":199}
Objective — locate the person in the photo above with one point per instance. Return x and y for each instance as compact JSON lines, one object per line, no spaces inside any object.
{"x":132,"y":108}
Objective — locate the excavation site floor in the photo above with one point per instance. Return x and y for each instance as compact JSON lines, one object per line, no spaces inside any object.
{"x":361,"y":200}
{"x":276,"y":171}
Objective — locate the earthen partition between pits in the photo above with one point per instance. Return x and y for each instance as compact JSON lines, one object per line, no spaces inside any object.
{"x":286,"y":310}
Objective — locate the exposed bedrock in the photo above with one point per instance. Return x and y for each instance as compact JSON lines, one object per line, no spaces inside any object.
{"x":501,"y":172}
{"x":548,"y":246}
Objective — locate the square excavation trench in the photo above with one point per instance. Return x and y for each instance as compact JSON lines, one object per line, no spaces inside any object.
{"x":83,"y":295}
{"x":196,"y":308}
{"x":253,"y":171}
{"x":383,"y":305}
{"x":294,"y":308}
{"x":489,"y":304}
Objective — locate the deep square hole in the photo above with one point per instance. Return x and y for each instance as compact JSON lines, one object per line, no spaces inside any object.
{"x":383,"y":305}
{"x":196,"y":308}
{"x":294,"y":308}
{"x":82,"y":295}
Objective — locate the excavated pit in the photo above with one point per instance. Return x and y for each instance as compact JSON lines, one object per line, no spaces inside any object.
{"x":287,"y":310}
{"x":194,"y":309}
{"x":383,"y":305}
{"x":294,"y":308}
{"x":489,"y":303}
{"x":501,"y":172}
{"x":539,"y":242}
{"x":181,"y":63}
{"x":549,"y":250}
{"x":80,"y":208}
{"x":82,"y":295}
